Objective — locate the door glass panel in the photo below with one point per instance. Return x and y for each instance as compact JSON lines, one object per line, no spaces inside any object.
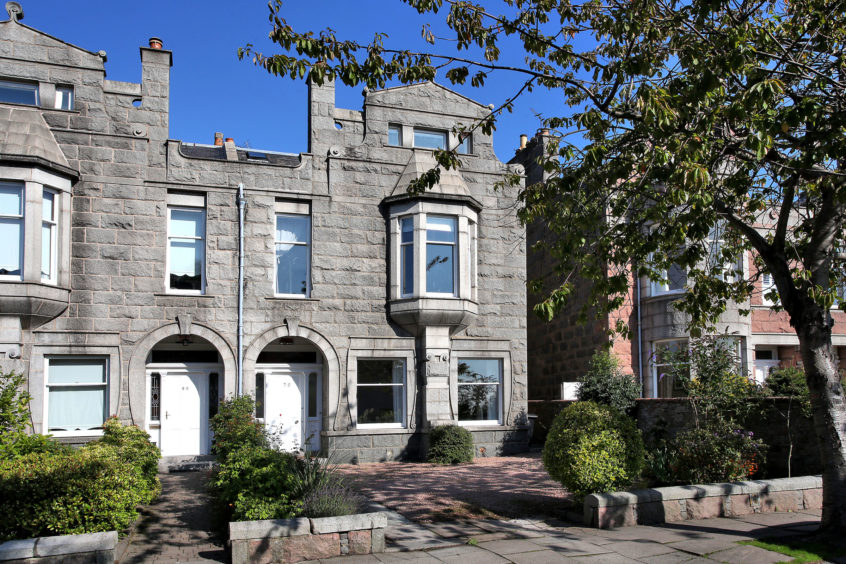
{"x":260,"y":395}
{"x":312,"y":394}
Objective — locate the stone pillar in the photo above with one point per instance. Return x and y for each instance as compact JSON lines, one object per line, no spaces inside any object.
{"x":434,"y":345}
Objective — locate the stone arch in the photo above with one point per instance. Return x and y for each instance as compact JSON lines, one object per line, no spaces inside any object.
{"x":331,"y":370}
{"x":138,"y":364}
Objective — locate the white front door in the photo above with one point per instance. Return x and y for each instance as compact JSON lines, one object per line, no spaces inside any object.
{"x":293,"y":405}
{"x":283,"y":415}
{"x":184,"y":410}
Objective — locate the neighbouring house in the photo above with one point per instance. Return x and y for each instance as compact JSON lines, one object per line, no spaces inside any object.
{"x":151,"y":278}
{"x":559,"y":350}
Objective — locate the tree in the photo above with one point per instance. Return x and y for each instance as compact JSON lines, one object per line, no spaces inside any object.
{"x":681,"y":123}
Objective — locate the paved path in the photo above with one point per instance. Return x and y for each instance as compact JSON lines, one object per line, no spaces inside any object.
{"x":177,"y":528}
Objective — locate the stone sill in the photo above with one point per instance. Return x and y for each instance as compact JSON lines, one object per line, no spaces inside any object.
{"x":90,"y":547}
{"x":680,"y":503}
{"x":294,"y":540}
{"x":287,"y":299}
{"x":169,"y":295}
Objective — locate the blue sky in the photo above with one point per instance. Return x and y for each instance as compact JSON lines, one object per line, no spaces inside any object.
{"x":211,"y":90}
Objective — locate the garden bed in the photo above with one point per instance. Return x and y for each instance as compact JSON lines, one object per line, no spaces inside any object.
{"x":295,"y":540}
{"x":680,"y":503}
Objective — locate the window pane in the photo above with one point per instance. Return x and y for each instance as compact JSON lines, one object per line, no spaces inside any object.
{"x":429,"y":139}
{"x":380,"y":371}
{"x":407,"y":230}
{"x":187,"y":223}
{"x":676,"y":277}
{"x":439,"y":268}
{"x":77,"y":371}
{"x":478,"y":402}
{"x":312,"y":394}
{"x":292,"y":269}
{"x":10,"y":199}
{"x":64,"y":98}
{"x":47,"y":206}
{"x":186,"y":257}
{"x":441,"y":229}
{"x":479,"y":370}
{"x":466,"y":146}
{"x":10,"y":250}
{"x":18,"y":92}
{"x":407,"y":269}
{"x":395,"y":135}
{"x":260,"y":395}
{"x":74,"y":409}
{"x":47,"y":251}
{"x":293,"y":228}
{"x":380,"y":404}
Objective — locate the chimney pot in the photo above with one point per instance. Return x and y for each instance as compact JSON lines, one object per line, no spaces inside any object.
{"x":218,"y":138}
{"x":230,"y":140}
{"x":155,"y":43}
{"x":523,"y":140}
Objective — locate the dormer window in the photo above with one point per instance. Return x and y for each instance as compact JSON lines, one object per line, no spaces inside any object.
{"x":16,"y":92}
{"x":429,"y":138}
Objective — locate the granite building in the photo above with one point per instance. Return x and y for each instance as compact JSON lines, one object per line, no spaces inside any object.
{"x":149,"y":278}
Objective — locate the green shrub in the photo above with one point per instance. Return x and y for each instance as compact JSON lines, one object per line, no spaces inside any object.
{"x":790,"y":382}
{"x":450,"y":444}
{"x":14,"y":407}
{"x":332,"y":499}
{"x":606,"y":384}
{"x":593,"y":448}
{"x":716,"y":453}
{"x":132,"y":445}
{"x":234,"y":426}
{"x":257,"y":482}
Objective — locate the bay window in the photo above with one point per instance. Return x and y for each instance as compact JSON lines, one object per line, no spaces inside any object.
{"x":48,"y":236}
{"x":440,"y":255}
{"x":407,"y":256}
{"x":11,"y":229}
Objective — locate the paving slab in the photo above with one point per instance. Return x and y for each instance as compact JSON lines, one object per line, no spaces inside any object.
{"x":642,"y":548}
{"x":540,"y":557}
{"x":466,"y":555}
{"x":352,"y":559}
{"x":456,"y":529}
{"x":703,"y":547}
{"x":745,"y":554}
{"x":780,"y":519}
{"x":570,"y":546}
{"x":678,"y":557}
{"x":417,"y":557}
{"x":610,"y":558}
{"x":510,"y":546}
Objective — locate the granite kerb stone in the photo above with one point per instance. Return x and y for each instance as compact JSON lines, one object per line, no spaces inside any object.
{"x":355,"y":522}
{"x":58,"y":545}
{"x":272,"y":528}
{"x":670,"y":493}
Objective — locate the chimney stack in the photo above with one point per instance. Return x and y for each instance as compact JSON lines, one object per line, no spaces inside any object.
{"x":523,"y":140}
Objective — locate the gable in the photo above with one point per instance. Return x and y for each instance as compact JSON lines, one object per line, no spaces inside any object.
{"x":427,"y":97}
{"x":48,"y":48}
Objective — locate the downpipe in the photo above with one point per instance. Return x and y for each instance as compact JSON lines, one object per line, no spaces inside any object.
{"x":241,"y":205}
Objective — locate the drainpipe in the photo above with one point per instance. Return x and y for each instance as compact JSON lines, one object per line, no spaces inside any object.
{"x":639,"y":333}
{"x":241,"y":202}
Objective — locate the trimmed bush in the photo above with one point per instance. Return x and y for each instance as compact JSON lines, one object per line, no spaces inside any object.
{"x":132,"y":446}
{"x":234,"y":426}
{"x":606,"y":384}
{"x":593,"y":448}
{"x":450,"y":444}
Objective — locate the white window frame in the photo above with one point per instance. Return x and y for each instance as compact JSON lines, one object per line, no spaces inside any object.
{"x":394,"y":127}
{"x":20,"y":220}
{"x":292,"y":210}
{"x":714,"y":243}
{"x":53,"y":224}
{"x":202,"y":289}
{"x":403,"y":386}
{"x":64,"y":93}
{"x":767,"y":284}
{"x":433,"y":131}
{"x":456,"y":255}
{"x":469,"y":355}
{"x":47,"y":386}
{"x":406,"y":247}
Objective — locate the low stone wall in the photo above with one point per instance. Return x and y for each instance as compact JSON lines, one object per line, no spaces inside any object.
{"x":294,"y":540}
{"x":89,"y":548}
{"x":680,"y":503}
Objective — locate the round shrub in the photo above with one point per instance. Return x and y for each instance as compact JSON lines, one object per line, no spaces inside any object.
{"x":593,"y":448}
{"x":450,"y":444}
{"x":607,"y":384}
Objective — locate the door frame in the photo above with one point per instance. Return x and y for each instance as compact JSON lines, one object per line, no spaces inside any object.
{"x":181,"y":368}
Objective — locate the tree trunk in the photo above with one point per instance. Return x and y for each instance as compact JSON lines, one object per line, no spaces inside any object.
{"x":829,"y":412}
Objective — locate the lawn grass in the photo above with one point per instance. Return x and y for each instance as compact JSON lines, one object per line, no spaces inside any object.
{"x":800,"y":550}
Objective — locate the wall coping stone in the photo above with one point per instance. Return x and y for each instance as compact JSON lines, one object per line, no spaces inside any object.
{"x":59,"y":545}
{"x":612,"y":499}
{"x":269,"y":528}
{"x":355,"y":522}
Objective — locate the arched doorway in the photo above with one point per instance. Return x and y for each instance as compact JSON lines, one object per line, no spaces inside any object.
{"x":184,"y":384}
{"x":289,"y":393}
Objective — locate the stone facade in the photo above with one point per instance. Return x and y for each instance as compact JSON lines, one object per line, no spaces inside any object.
{"x":559,"y":350}
{"x":124,"y":190}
